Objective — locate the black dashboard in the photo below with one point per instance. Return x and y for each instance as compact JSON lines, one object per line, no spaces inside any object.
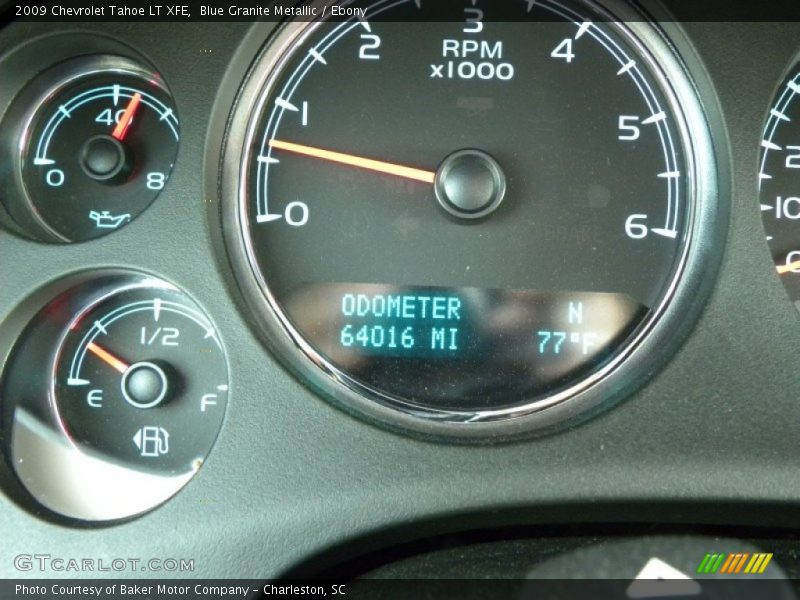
{"x":426,"y":289}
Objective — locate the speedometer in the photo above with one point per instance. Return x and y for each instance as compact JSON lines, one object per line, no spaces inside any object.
{"x":777,"y":181}
{"x":466,"y":216}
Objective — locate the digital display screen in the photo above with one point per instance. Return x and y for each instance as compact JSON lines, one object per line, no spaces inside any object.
{"x":418,"y":323}
{"x":435,"y":338}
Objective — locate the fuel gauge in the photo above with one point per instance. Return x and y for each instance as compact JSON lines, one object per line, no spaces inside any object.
{"x":141,"y":375}
{"x":115,"y":393}
{"x":93,"y":142}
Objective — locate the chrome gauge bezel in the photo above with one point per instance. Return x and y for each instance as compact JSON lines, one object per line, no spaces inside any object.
{"x":78,"y":481}
{"x":639,"y":358}
{"x":29,"y":105}
{"x":785,"y":93}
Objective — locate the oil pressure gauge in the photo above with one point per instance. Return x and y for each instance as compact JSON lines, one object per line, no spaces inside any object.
{"x":120,"y":385}
{"x":92,"y":142}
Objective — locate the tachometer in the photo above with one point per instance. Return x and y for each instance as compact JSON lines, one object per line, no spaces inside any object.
{"x":777,"y":183}
{"x":451,"y":215}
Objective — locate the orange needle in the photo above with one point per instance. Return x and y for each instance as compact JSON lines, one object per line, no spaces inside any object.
{"x":356,"y":161}
{"x":792,"y":266}
{"x":125,"y":120}
{"x":107,"y":357}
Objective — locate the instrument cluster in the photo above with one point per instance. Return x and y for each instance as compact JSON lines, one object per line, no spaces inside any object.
{"x":464,"y":225}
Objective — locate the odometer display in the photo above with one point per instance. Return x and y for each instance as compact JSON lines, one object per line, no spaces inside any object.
{"x":464,"y":211}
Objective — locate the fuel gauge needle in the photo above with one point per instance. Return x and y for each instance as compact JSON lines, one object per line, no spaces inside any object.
{"x":125,"y":120}
{"x":356,"y":161}
{"x":107,"y":357}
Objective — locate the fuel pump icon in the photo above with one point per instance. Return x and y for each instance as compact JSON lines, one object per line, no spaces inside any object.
{"x":152,"y":442}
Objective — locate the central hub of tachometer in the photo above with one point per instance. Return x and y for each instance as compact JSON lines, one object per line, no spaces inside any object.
{"x":469,"y":184}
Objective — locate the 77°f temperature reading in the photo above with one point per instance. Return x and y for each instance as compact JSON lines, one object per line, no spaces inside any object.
{"x":553,"y":342}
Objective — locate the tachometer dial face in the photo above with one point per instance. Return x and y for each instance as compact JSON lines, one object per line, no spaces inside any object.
{"x":100,"y":147}
{"x":465,"y":211}
{"x":779,"y":176}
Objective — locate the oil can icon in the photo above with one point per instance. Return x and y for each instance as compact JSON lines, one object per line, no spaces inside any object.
{"x":151,"y":441}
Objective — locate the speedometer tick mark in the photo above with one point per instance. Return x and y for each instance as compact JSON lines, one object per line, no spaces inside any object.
{"x":531,"y":4}
{"x":64,"y":111}
{"x":670,"y":174}
{"x":770,"y":145}
{"x":779,"y":115}
{"x":794,"y":87}
{"x":267,"y":159}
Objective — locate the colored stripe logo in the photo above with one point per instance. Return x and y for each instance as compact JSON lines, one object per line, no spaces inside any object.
{"x":735,"y":563}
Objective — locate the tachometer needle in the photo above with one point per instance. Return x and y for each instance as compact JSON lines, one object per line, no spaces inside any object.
{"x":356,"y":161}
{"x":107,"y":357}
{"x":792,"y":267}
{"x":125,"y":120}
